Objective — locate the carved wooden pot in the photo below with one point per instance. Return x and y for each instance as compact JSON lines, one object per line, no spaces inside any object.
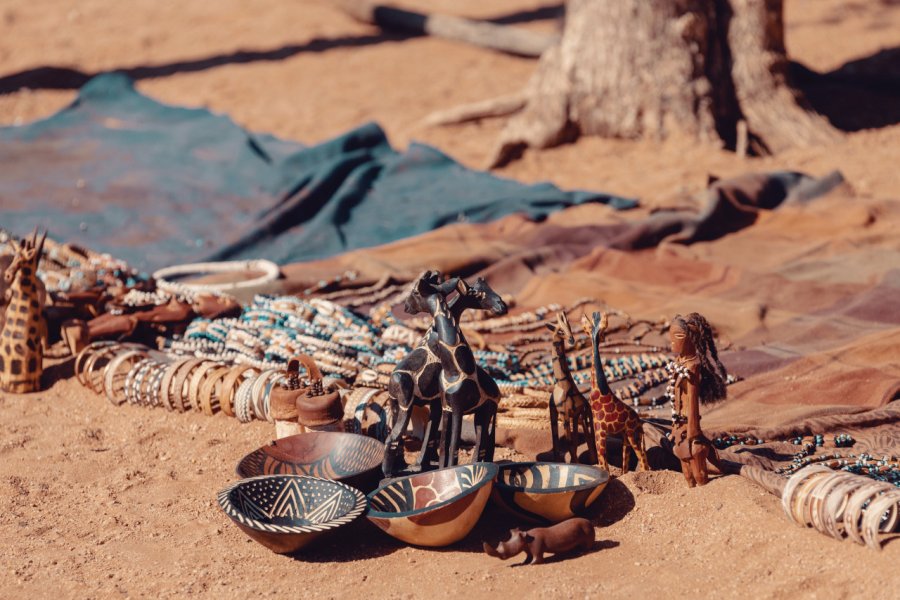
{"x":545,"y":491}
{"x":436,"y":508}
{"x":286,"y":512}
{"x":347,"y":457}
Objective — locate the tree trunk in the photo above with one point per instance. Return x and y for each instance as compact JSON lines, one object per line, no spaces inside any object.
{"x":649,"y":68}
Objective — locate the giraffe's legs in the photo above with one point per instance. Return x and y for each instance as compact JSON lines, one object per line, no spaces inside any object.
{"x":571,"y":429}
{"x":639,"y":449}
{"x":445,"y":439}
{"x":626,"y":456}
{"x":554,"y":428}
{"x":600,"y":436}
{"x":484,"y":432}
{"x":587,"y":424}
{"x":393,"y":447}
{"x":430,"y":441}
{"x":456,"y":420}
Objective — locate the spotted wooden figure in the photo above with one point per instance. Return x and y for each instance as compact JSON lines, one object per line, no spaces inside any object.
{"x":24,"y":326}
{"x":611,"y":415}
{"x":567,"y":400}
{"x":441,"y":373}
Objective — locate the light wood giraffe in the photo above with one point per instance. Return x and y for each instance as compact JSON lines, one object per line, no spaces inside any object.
{"x":441,"y":373}
{"x":611,"y":415}
{"x":24,"y":328}
{"x":567,"y":399}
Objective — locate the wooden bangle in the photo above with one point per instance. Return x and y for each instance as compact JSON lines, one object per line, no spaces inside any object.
{"x":208,"y":388}
{"x":181,"y":377}
{"x":110,"y":373}
{"x":86,"y":353}
{"x":197,"y":379}
{"x":229,"y":388}
{"x":166,"y":384}
{"x":90,"y":366}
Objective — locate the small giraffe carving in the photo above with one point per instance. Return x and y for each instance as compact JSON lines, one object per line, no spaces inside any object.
{"x":567,"y":399}
{"x":611,"y":415}
{"x":24,"y":328}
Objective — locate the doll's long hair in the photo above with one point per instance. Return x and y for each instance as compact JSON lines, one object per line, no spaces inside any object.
{"x":712,"y":371}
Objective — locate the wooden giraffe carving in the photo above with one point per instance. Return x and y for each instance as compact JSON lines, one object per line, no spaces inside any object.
{"x":441,"y":373}
{"x":611,"y":415}
{"x":24,"y":328}
{"x":567,"y":399}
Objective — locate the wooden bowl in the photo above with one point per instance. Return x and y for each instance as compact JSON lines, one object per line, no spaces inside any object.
{"x":347,"y":457}
{"x":436,"y":508}
{"x":544,"y":491}
{"x":287,"y":512}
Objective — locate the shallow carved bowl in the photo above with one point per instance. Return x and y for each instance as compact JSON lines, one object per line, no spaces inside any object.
{"x":544,"y":491}
{"x":287,"y":512}
{"x":436,"y":508}
{"x":346,"y":457}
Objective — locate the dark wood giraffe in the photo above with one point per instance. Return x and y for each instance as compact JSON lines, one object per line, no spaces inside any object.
{"x":567,"y":399}
{"x":24,"y":327}
{"x":611,"y":415}
{"x":441,"y":373}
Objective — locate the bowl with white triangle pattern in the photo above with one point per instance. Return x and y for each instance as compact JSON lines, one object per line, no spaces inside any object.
{"x":287,"y":512}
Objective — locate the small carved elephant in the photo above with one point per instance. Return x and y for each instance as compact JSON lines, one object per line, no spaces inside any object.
{"x":562,"y":537}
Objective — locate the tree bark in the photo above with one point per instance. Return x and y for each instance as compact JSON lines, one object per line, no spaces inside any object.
{"x":649,"y":68}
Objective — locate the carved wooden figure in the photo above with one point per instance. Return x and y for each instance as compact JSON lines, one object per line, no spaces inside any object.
{"x":611,"y":415}
{"x":562,"y":537}
{"x":441,"y":373}
{"x":24,"y":328}
{"x":567,"y":400}
{"x":696,"y":376}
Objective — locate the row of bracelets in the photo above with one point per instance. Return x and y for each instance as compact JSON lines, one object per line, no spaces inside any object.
{"x":135,"y":374}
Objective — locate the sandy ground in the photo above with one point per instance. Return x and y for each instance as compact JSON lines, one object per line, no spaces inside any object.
{"x":100,"y":501}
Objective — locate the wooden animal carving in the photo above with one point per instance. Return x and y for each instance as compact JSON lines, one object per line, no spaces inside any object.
{"x":24,"y":328}
{"x":611,"y":415}
{"x":568,"y":535}
{"x":441,"y":374}
{"x":567,"y":400}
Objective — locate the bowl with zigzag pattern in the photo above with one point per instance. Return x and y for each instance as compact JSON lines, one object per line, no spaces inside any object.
{"x":547,"y":491}
{"x":436,"y":508}
{"x":346,"y":457}
{"x":286,"y":512}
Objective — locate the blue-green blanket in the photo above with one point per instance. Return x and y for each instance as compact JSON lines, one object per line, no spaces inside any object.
{"x":159,"y":185}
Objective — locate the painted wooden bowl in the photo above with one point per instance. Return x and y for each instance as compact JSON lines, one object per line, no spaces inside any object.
{"x":346,"y":457}
{"x":287,"y":512}
{"x":436,"y":508}
{"x":544,"y":491}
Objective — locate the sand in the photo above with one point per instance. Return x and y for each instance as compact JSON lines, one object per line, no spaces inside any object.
{"x":105,"y":501}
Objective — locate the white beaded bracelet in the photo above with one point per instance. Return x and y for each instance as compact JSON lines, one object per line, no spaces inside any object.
{"x":269,"y":269}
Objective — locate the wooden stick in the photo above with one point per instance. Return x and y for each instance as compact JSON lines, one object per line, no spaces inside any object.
{"x":504,"y":38}
{"x":484,"y":109}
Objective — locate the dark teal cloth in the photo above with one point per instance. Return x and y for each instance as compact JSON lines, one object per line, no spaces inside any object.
{"x":159,"y":185}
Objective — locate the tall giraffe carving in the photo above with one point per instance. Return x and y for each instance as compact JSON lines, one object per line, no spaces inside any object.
{"x":567,"y":399}
{"x":441,"y":373}
{"x":24,"y":326}
{"x":611,"y":415}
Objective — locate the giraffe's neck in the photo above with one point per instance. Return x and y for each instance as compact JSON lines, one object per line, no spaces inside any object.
{"x":598,"y":377}
{"x":560,"y":363}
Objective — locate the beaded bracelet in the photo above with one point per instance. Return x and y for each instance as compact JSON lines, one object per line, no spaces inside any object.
{"x":242,"y":400}
{"x":269,"y":269}
{"x":139,"y":371}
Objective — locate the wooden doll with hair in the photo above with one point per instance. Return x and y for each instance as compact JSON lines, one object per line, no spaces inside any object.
{"x":696,"y":377}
